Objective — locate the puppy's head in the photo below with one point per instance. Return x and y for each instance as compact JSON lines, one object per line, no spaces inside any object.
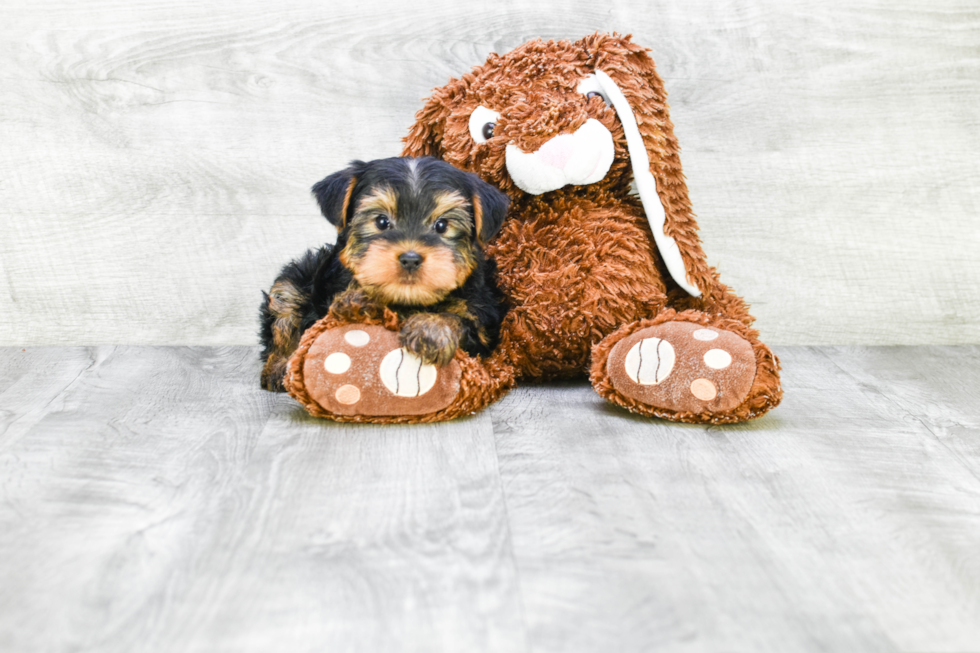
{"x":410,"y":229}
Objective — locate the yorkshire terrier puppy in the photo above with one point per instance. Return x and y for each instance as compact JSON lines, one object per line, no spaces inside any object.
{"x":410,"y":236}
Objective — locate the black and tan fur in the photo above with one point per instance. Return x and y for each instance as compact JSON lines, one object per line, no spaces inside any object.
{"x":410,"y":236}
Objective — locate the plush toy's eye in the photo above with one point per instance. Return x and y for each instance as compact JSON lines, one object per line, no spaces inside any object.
{"x":482,"y":123}
{"x":441,"y":225}
{"x":382,"y":222}
{"x":590,"y":88}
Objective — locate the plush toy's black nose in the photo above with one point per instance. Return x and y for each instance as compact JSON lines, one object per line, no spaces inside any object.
{"x":410,"y":261}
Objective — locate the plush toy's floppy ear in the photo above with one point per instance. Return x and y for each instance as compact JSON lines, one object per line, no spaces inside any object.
{"x":489,"y":208}
{"x":629,"y":79}
{"x":333,"y":194}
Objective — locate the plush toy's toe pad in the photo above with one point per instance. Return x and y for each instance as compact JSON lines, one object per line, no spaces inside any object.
{"x":363,"y":370}
{"x":684,"y":367}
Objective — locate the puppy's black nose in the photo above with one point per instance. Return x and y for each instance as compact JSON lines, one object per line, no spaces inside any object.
{"x":410,"y":261}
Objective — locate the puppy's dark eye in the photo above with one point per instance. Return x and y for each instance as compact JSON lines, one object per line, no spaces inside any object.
{"x":592,"y":94}
{"x":488,"y":130}
{"x":382,"y":222}
{"x":441,"y":225}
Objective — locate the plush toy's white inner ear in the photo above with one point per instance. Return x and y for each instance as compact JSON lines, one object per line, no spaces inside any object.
{"x":646,"y":185}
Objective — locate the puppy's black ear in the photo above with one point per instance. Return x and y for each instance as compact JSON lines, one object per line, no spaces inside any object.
{"x":489,"y":208}
{"x":333,"y":193}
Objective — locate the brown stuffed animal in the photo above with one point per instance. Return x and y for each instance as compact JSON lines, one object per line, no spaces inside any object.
{"x":600,"y":280}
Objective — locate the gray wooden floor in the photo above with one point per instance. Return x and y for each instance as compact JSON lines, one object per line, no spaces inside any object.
{"x":154,"y":499}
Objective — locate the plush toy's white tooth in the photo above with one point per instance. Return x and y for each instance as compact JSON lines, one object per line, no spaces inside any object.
{"x":647,"y":185}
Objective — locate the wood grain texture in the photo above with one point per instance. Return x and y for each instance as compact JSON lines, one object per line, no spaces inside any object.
{"x":157,"y":156}
{"x":936,"y":386}
{"x":166,"y":503}
{"x":837,"y":522}
{"x":155,"y":499}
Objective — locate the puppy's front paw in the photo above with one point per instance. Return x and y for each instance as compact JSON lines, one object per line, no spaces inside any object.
{"x":274,"y":372}
{"x":354,"y":305}
{"x":433,"y":337}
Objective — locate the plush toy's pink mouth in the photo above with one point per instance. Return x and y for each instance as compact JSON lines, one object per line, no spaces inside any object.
{"x":577,"y":159}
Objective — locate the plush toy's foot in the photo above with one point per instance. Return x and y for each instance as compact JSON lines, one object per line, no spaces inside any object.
{"x":690,"y":371}
{"x":361,"y":373}
{"x":361,"y":369}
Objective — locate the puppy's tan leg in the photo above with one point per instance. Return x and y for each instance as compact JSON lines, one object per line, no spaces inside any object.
{"x":433,"y":337}
{"x":355,"y":305}
{"x":285,"y":307}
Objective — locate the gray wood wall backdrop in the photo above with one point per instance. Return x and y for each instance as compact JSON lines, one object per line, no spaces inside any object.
{"x":155,"y":157}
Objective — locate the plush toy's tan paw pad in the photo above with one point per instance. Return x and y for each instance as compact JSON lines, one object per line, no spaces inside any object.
{"x":363,"y":370}
{"x":683,"y":367}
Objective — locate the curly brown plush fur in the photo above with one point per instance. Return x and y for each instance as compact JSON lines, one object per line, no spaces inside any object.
{"x":578,"y":264}
{"x":598,"y":281}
